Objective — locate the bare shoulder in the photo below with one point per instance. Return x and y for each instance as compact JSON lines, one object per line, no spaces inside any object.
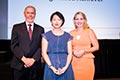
{"x":92,"y":34}
{"x":91,"y":31}
{"x":72,"y":31}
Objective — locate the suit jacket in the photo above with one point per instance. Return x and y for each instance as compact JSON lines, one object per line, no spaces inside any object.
{"x":21,"y":45}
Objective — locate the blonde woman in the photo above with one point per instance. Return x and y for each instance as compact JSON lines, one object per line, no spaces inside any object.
{"x":84,"y":43}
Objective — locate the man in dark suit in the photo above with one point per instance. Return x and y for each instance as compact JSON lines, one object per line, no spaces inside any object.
{"x":27,"y":50}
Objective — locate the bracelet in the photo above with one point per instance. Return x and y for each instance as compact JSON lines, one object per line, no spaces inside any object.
{"x":84,"y":51}
{"x":50,"y":66}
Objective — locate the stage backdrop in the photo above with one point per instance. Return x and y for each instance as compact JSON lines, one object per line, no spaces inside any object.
{"x":103,"y":15}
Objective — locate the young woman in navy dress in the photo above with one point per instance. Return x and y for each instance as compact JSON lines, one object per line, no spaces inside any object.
{"x":57,"y":51}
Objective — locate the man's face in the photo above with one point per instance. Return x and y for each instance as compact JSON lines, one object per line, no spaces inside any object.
{"x":29,"y":14}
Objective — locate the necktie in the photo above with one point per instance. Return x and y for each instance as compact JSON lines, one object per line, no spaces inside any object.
{"x":30,"y":31}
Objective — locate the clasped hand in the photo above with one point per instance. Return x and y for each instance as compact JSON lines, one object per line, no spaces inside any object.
{"x":79,"y":53}
{"x":28,"y":62}
{"x":58,"y":71}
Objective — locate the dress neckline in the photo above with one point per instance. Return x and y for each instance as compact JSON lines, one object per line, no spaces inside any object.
{"x":57,"y":35}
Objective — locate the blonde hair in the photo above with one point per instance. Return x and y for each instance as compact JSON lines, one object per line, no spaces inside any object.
{"x":84,"y":17}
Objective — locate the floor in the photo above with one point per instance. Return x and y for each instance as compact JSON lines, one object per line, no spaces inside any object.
{"x":109,"y":79}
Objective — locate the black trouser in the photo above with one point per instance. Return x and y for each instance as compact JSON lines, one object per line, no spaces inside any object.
{"x":31,"y":73}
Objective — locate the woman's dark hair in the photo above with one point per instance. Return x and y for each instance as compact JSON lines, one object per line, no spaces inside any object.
{"x":59,"y":15}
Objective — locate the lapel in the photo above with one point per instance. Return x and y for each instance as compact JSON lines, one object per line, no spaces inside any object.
{"x":34,"y":32}
{"x":25,"y":31}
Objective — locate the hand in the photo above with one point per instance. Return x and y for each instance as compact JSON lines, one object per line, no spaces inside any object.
{"x":62,"y":70}
{"x":82,"y":52}
{"x":54,"y":70}
{"x":76,"y":53}
{"x":79,"y":53}
{"x":28,"y":62}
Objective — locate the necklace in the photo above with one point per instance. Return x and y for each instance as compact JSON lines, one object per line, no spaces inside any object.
{"x":78,"y":37}
{"x":78,"y":33}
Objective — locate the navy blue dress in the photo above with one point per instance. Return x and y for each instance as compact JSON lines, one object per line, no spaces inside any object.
{"x":57,"y":52}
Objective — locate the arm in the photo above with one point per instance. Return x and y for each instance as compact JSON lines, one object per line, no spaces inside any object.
{"x":69,"y":57}
{"x":15,"y":47}
{"x":37,"y":54}
{"x":37,"y":43}
{"x":44,"y":51}
{"x":15,"y":44}
{"x":45,"y":55}
{"x":94,"y":41}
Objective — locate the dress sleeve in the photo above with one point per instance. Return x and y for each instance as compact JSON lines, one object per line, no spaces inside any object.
{"x":43,"y":35}
{"x":70,"y":38}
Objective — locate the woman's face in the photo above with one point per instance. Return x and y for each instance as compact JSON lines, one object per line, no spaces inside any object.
{"x":56,"y":22}
{"x":79,"y":21}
